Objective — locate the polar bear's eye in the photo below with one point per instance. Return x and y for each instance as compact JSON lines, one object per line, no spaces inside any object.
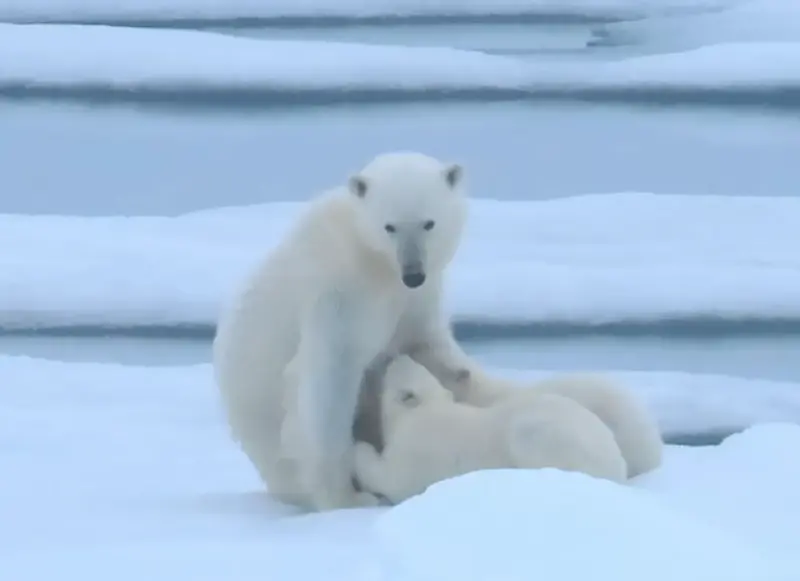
{"x":429,"y":225}
{"x":390,"y":229}
{"x":408,"y":398}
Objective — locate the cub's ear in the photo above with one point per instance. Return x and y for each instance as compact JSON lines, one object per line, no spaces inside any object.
{"x":357,"y":186}
{"x":454,"y":174}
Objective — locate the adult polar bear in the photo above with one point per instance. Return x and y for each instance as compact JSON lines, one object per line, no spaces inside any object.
{"x":359,"y":277}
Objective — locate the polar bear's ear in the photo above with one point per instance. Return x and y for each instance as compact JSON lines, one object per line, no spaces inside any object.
{"x":453,"y":174}
{"x":357,"y":186}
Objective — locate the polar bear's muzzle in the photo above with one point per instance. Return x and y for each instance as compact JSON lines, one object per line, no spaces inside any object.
{"x":411,"y":259}
{"x":413,"y":278}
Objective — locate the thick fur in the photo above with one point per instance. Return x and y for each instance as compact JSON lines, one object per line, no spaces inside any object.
{"x":336,"y":295}
{"x":429,"y":437}
{"x":634,"y":427}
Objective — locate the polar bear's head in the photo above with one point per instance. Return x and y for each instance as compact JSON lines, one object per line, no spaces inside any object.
{"x":412,"y":210}
{"x":409,"y":386}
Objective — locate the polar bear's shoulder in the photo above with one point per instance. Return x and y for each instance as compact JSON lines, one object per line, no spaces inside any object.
{"x":325,"y":219}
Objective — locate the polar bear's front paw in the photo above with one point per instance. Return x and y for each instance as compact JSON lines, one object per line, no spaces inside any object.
{"x":365,"y":499}
{"x":341,"y":498}
{"x":458,"y":382}
{"x":333,"y":488}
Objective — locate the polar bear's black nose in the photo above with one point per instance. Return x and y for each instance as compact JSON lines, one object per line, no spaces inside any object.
{"x":413,"y":279}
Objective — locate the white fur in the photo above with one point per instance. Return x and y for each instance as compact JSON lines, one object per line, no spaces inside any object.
{"x":634,"y":427}
{"x":430,"y":437}
{"x":330,"y":296}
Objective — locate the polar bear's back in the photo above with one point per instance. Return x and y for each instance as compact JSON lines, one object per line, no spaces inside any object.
{"x":256,"y":337}
{"x":633,"y":423}
{"x":259,"y":333}
{"x":552,"y":431}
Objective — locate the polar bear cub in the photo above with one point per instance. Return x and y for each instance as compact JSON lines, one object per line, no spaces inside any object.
{"x":429,"y":437}
{"x":635,"y":428}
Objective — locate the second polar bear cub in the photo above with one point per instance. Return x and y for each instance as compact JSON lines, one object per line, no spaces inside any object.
{"x":429,"y":437}
{"x":635,"y":428}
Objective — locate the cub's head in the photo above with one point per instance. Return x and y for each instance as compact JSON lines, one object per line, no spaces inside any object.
{"x":412,"y":210}
{"x":409,"y":392}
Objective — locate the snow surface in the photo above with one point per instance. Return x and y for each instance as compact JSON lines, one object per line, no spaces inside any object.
{"x":515,"y":525}
{"x":751,"y":21}
{"x":127,"y":473}
{"x":101,"y":10}
{"x":75,"y":56}
{"x":725,"y":64}
{"x":585,"y":259}
{"x":688,"y":403}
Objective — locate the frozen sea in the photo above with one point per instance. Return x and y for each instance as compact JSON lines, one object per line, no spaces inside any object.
{"x":633,"y":168}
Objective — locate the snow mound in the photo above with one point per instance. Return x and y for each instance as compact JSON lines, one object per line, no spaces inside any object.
{"x":755,"y":471}
{"x":547,"y":524}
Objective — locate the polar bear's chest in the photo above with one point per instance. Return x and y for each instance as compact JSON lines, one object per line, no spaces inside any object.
{"x":382,"y":322}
